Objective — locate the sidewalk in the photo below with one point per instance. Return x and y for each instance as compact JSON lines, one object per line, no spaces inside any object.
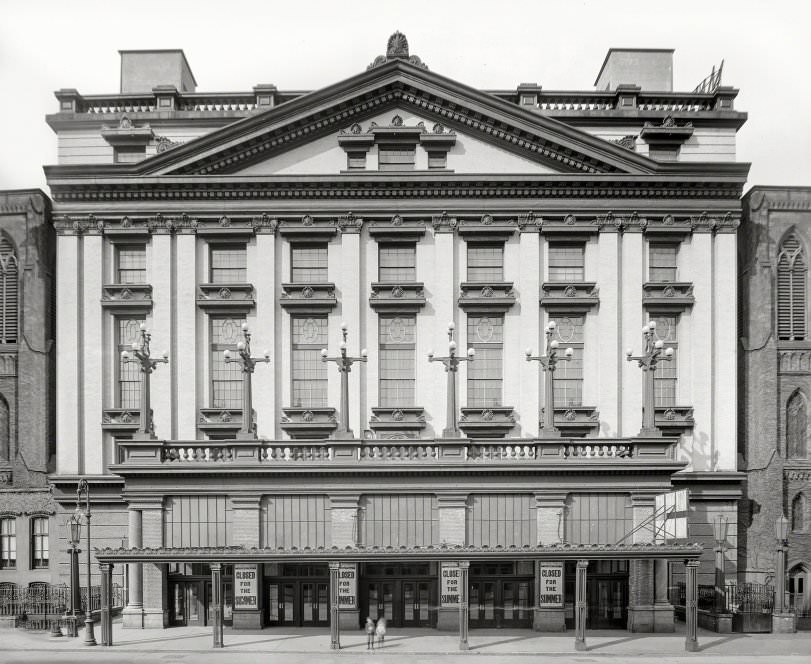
{"x":402,"y":642}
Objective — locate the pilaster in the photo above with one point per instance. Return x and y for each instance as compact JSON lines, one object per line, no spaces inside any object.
{"x":604,"y":364}
{"x":155,"y":593}
{"x":161,"y":273}
{"x":640,"y":579}
{"x":527,"y":278}
{"x":262,"y":273}
{"x":91,"y":358}
{"x":69,"y":356}
{"x":183,"y":356}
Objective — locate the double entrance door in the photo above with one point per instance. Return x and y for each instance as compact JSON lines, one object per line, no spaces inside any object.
{"x":298,"y":603}
{"x":190,"y":602}
{"x":403,"y":603}
{"x":500,"y":602}
{"x":607,"y":602}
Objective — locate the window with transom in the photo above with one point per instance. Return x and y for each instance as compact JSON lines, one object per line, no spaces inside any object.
{"x":485,"y":262}
{"x":568,"y":391}
{"x":130,"y":264}
{"x":39,"y":542}
{"x":567,"y":262}
{"x":226,"y":377}
{"x":308,"y":264}
{"x":666,"y":375}
{"x":662,"y":262}
{"x":229,"y":264}
{"x":792,"y":272}
{"x":485,"y":375}
{"x":8,"y":543}
{"x":9,"y":282}
{"x":396,"y":157}
{"x":309,"y":373}
{"x":128,"y":381}
{"x":397,"y":360}
{"x":397,"y":263}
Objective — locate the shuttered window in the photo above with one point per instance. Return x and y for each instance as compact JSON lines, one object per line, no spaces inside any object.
{"x":667,"y":372}
{"x":567,"y":262}
{"x":226,"y":377}
{"x":308,"y":264}
{"x":485,"y":262}
{"x":197,"y":521}
{"x":39,"y":542}
{"x":397,"y":263}
{"x":662,"y":265}
{"x":8,"y":543}
{"x":296,"y":521}
{"x":309,"y":375}
{"x":397,"y":361}
{"x":485,"y":375}
{"x":569,"y":375}
{"x":792,"y":271}
{"x":131,"y":264}
{"x":507,"y":519}
{"x":228,"y":264}
{"x":399,"y":520}
{"x":9,"y":276}
{"x":597,"y":518}
{"x":396,"y":157}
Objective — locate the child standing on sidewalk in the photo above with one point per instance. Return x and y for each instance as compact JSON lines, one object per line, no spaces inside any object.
{"x":370,"y":633}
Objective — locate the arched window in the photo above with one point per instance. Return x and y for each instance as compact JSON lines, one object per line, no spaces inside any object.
{"x":798,"y":513}
{"x":796,"y":426}
{"x":791,"y":277}
{"x":8,"y":292}
{"x":5,"y":429}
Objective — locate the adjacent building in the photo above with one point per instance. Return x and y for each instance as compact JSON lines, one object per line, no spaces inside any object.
{"x":365,"y":217}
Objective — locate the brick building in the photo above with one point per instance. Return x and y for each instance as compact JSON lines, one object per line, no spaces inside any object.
{"x":397,"y":201}
{"x":27,"y":259}
{"x":775,"y":384}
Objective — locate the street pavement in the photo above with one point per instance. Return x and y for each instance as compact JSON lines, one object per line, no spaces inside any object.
{"x":193,"y":645}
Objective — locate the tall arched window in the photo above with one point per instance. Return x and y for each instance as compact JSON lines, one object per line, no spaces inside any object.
{"x":5,"y":429}
{"x":796,"y":426}
{"x":798,"y":513}
{"x":8,"y":292}
{"x":791,"y":276}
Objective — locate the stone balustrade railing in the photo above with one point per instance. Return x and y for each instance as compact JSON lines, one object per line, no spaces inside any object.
{"x":132,"y":453}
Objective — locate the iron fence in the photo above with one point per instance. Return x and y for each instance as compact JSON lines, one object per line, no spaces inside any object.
{"x":35,"y":603}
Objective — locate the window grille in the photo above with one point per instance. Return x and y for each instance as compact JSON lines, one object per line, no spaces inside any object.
{"x":8,"y":543}
{"x":662,"y":264}
{"x":226,"y":378}
{"x":567,"y":262}
{"x":792,"y":270}
{"x":568,"y":391}
{"x":396,"y":157}
{"x":485,"y":263}
{"x":9,"y":283}
{"x":309,"y":373}
{"x":308,"y":264}
{"x":666,"y":376}
{"x":397,"y":263}
{"x":397,"y":361}
{"x":131,"y":264}
{"x":228,"y":264}
{"x":39,"y":542}
{"x":197,"y":521}
{"x":128,"y":396}
{"x":796,"y":426}
{"x":485,"y":375}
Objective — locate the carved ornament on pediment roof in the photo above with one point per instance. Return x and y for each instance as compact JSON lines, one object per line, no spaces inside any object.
{"x":349,"y":223}
{"x":444,"y":223}
{"x":529,"y":222}
{"x":172,"y":223}
{"x":397,"y":49}
{"x":265,"y":223}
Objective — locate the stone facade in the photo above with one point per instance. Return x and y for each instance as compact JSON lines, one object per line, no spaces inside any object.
{"x":775,"y":383}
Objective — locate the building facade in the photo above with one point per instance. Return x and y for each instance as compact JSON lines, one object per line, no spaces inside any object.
{"x":27,"y":362}
{"x":360,"y":220}
{"x":775,"y":379}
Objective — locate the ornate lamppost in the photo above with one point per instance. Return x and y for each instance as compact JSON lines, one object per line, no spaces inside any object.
{"x":344,"y":363}
{"x":451,"y":362}
{"x":140,"y":355}
{"x":781,"y":535}
{"x":248,"y":365}
{"x":720,"y":527}
{"x":549,"y":363}
{"x":73,"y":526}
{"x":653,"y":354}
{"x":84,"y":487}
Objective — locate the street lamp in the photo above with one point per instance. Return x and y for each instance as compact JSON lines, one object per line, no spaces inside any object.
{"x":451,"y":362}
{"x":653,"y":354}
{"x":781,"y":534}
{"x":248,"y":364}
{"x":720,"y":527}
{"x":344,"y":363}
{"x":73,"y":526}
{"x":140,"y":355}
{"x":84,"y":486}
{"x":549,"y":363}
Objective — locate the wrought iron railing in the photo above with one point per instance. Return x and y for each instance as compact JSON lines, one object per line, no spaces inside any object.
{"x":52,"y":599}
{"x":737,"y":597}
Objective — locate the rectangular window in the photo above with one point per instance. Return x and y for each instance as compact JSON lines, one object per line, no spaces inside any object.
{"x":663,"y":262}
{"x":396,"y":157}
{"x":397,"y":262}
{"x":567,"y":262}
{"x":229,"y":264}
{"x":128,"y":381}
{"x":485,"y":374}
{"x":308,"y":264}
{"x":8,"y":543}
{"x":39,"y":542}
{"x":131,"y":264}
{"x":569,"y":375}
{"x":437,"y":160}
{"x":356,"y":161}
{"x":397,"y":361}
{"x":666,"y":376}
{"x":309,"y":373}
{"x":226,"y":378}
{"x":129,"y":155}
{"x":485,"y":262}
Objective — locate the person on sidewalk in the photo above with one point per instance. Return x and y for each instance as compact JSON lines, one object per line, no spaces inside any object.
{"x":380,"y":630}
{"x":370,"y":633}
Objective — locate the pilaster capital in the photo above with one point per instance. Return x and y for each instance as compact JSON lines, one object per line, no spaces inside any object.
{"x":334,"y":566}
{"x":451,"y":500}
{"x":251,"y":502}
{"x":344,"y":501}
{"x":550,"y":499}
{"x":142,"y":503}
{"x":643,"y":500}
{"x":582,"y":564}
{"x":464,"y":564}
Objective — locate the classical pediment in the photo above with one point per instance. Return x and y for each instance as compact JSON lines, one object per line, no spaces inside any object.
{"x":301,"y":136}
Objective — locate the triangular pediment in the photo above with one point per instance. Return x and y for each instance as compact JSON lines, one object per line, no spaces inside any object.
{"x":301,"y":136}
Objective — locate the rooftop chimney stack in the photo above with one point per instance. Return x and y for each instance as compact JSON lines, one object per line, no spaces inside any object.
{"x":141,"y":71}
{"x":649,"y":68}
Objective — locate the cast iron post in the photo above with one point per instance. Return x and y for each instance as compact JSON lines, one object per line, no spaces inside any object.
{"x":451,"y":363}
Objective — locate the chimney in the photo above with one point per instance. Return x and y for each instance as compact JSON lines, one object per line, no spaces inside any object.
{"x":141,"y":71}
{"x":648,"y":68}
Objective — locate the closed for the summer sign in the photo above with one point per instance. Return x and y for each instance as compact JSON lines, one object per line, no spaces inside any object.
{"x":245,"y":587}
{"x":449,"y":585}
{"x":551,"y":586}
